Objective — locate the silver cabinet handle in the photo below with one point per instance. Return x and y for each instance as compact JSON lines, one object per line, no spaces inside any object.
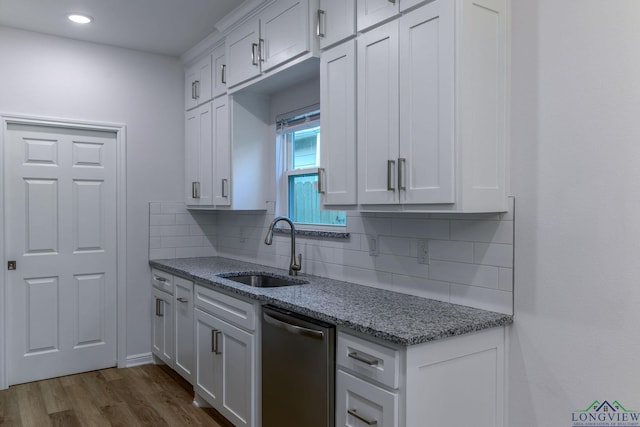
{"x":261,"y":50}
{"x":225,"y":187}
{"x":320,"y":28}
{"x":193,"y":90}
{"x":392,"y":1}
{"x":159,"y":307}
{"x":197,"y":82}
{"x":183,"y":300}
{"x":195,"y":190}
{"x":214,"y":341}
{"x":321,"y":175}
{"x":402,"y":165}
{"x":254,"y":54}
{"x":360,"y":358}
{"x":391,"y":165}
{"x":160,"y":279}
{"x":223,"y":74}
{"x":361,"y":418}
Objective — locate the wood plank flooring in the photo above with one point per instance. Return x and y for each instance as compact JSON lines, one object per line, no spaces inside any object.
{"x":149,"y":395}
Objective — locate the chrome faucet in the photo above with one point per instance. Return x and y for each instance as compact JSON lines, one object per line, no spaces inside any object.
{"x":294,"y":266}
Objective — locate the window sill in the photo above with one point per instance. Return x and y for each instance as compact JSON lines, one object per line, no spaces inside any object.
{"x":317,"y":234}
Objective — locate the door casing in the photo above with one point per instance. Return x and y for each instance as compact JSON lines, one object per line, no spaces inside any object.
{"x":121,"y":209}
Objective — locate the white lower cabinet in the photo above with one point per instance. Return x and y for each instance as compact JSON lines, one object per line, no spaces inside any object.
{"x":163,"y":346}
{"x":360,"y":403}
{"x":454,"y":381}
{"x":226,"y":356}
{"x":184,"y":327}
{"x":172,"y":322}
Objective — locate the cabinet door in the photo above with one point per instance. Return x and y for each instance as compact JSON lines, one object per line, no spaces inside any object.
{"x":338,"y":112}
{"x":238,"y":381}
{"x":162,"y":326}
{"x":243,"y":56}
{"x":198,"y":156}
{"x":219,"y":72}
{"x":184,"y":328}
{"x":359,"y":403}
{"x":371,"y":12}
{"x":284,"y":32}
{"x":198,"y":83}
{"x":221,"y":153}
{"x":378,"y":115}
{"x":208,"y":369}
{"x":226,"y":368}
{"x":427,"y":69}
{"x":336,"y":21}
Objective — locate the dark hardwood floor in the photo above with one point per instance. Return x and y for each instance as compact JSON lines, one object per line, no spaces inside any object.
{"x":148,"y":395}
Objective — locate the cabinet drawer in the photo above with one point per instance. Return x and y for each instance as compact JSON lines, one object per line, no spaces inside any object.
{"x":359,"y":403}
{"x":230,"y":309}
{"x":370,"y":360}
{"x":162,"y":280}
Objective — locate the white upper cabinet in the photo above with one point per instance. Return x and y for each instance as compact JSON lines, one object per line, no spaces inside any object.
{"x":198,"y":145}
{"x":431,"y":109}
{"x":338,"y":112}
{"x":378,"y":115}
{"x":335,"y":21}
{"x":243,"y":55}
{"x":284,"y":32}
{"x":280,"y":33}
{"x":221,"y":152}
{"x":198,"y":83}
{"x":372,"y":12}
{"x":219,"y":71}
{"x":426,"y":164}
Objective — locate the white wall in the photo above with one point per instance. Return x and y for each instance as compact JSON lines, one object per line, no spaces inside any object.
{"x":576,"y":176}
{"x":60,"y":78}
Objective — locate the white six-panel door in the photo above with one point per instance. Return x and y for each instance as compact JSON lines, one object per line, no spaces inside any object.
{"x":61,"y":231}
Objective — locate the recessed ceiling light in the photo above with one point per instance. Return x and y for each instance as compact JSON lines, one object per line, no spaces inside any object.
{"x":79,"y":18}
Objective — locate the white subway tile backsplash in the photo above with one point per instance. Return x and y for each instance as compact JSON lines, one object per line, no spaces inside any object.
{"x":162,"y":219}
{"x":422,"y":287}
{"x":174,"y":230}
{"x":470,"y":256}
{"x":466,"y":274}
{"x":482,"y":231}
{"x":401,"y":265}
{"x":497,"y":254}
{"x":446,"y":250}
{"x":505,"y":279}
{"x":420,"y":228}
{"x":486,"y":299}
{"x":401,"y":246}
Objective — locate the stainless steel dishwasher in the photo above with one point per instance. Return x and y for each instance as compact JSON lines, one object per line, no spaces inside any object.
{"x":298,"y":370}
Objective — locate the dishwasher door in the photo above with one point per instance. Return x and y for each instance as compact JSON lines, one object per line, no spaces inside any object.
{"x":298,"y":370}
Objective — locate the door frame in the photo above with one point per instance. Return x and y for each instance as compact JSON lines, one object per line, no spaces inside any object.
{"x":121,"y":221}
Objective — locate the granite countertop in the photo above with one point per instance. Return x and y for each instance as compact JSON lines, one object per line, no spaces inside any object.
{"x":391,"y":316}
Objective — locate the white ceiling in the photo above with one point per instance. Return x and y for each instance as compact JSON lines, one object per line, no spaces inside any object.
{"x":168,"y":27}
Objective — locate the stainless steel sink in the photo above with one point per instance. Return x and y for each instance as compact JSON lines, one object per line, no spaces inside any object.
{"x":263,"y":280}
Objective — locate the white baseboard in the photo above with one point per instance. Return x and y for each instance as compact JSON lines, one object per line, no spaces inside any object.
{"x":139,"y":359}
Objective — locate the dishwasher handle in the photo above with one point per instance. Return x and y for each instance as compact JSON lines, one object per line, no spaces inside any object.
{"x":294,"y":329}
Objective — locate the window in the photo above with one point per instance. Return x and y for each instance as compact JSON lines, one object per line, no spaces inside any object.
{"x":299,"y":139}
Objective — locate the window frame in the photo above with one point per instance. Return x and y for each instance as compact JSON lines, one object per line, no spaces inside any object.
{"x":285,"y":165}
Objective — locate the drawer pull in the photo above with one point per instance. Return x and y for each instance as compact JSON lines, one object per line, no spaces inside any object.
{"x":360,"y":358}
{"x":214,"y":341}
{"x":159,"y":307}
{"x":361,"y":418}
{"x":161,"y":279}
{"x":182,"y":300}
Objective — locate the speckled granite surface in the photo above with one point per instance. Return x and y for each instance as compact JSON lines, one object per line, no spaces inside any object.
{"x":391,"y":316}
